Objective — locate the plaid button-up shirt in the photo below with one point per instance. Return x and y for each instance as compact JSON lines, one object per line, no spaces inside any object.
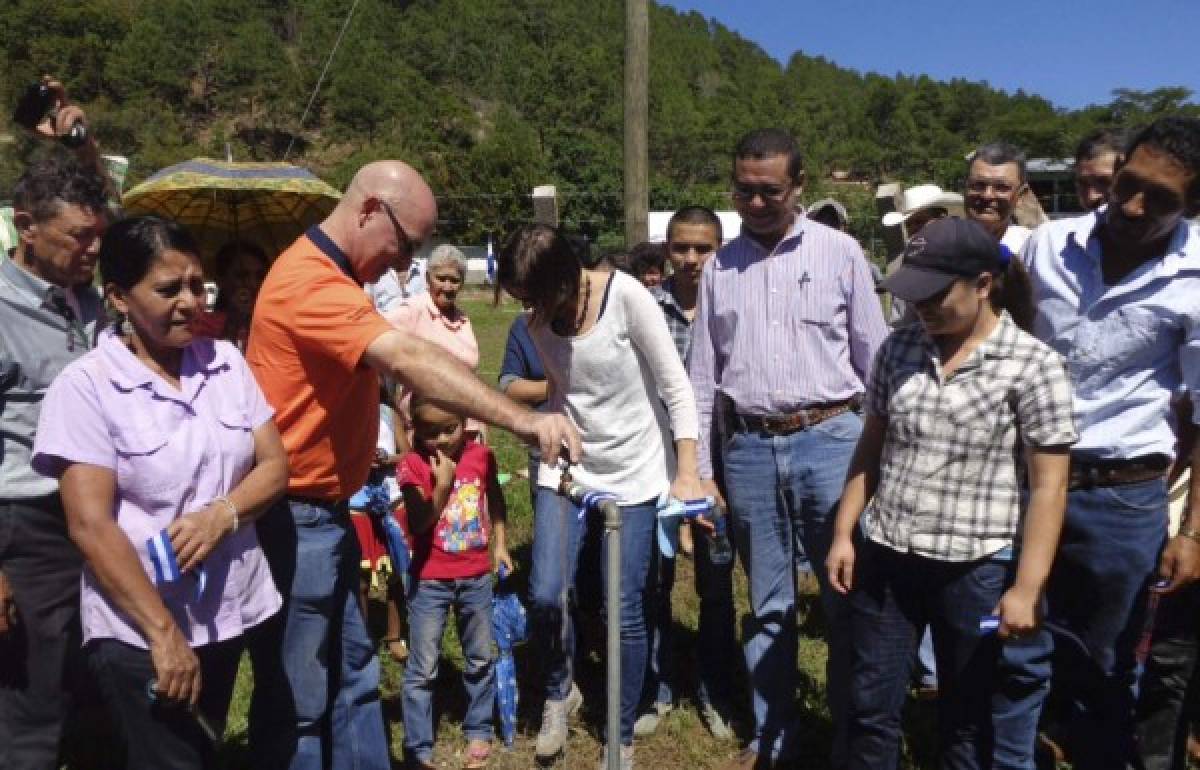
{"x":951,"y":471}
{"x":677,"y":320}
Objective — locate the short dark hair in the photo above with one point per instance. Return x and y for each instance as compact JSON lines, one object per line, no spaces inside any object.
{"x":56,"y":179}
{"x":539,"y":262}
{"x":1099,"y":142}
{"x":1179,"y":137}
{"x":615,"y":259}
{"x":695,"y":215}
{"x":767,"y":143}
{"x":647,"y":256}
{"x":132,"y":245}
{"x":998,"y":154}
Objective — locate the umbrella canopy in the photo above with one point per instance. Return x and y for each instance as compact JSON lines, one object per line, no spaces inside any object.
{"x":509,"y":628}
{"x":270,"y":204}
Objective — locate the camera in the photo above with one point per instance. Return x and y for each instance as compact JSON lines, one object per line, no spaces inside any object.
{"x":36,"y":103}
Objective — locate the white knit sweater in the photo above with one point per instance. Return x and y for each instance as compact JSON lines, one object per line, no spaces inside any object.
{"x":623,"y":386}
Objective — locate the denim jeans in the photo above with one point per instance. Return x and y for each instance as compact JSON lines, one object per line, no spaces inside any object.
{"x":159,"y":735}
{"x":429,"y":601}
{"x":895,"y":595}
{"x":316,"y":696}
{"x":716,"y":641}
{"x":1107,"y":560}
{"x":783,"y":491}
{"x":1162,"y":730}
{"x":39,"y":659}
{"x":557,"y":542}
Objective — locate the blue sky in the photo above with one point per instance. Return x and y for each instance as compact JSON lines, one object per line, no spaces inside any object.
{"x":1072,"y":52}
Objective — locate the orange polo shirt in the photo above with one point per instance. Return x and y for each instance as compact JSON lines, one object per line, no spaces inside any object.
{"x":312,"y":323}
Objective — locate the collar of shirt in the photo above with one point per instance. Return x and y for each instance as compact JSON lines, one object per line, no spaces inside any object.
{"x":127,"y":373}
{"x":790,"y":241}
{"x":36,"y":290}
{"x":1001,"y":343}
{"x":665,"y":296}
{"x":1085,"y":236}
{"x":435,"y":314}
{"x":331,"y":250}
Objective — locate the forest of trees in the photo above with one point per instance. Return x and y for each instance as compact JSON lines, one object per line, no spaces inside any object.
{"x":491,"y":97}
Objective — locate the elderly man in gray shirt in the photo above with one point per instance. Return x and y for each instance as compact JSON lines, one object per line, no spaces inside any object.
{"x":49,"y":316}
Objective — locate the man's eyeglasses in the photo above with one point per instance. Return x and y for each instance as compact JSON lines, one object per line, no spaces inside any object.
{"x":408,"y":247}
{"x":979,"y":186}
{"x":769,"y":192}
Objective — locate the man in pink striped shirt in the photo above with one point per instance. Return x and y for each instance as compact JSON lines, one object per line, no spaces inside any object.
{"x":787,"y":327}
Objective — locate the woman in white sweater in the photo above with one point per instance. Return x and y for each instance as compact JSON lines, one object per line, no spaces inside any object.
{"x":613,"y":370}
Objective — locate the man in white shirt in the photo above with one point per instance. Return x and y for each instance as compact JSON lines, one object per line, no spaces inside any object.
{"x":995,"y":182}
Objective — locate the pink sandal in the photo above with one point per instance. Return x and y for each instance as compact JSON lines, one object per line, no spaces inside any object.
{"x":478,"y":753}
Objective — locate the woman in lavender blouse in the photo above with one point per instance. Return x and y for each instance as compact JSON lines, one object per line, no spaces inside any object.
{"x":166,"y":452}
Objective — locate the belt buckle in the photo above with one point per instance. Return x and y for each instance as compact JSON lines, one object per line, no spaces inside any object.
{"x":774,"y":426}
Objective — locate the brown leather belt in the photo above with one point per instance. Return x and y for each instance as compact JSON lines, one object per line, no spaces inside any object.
{"x":782,"y":425}
{"x":1086,"y":474}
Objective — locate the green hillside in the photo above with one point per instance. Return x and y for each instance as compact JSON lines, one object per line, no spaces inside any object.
{"x":489,"y":97}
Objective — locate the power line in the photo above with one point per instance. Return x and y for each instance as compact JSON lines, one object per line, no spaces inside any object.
{"x":316,"y":89}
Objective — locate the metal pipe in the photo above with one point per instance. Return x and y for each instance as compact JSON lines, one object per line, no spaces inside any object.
{"x":612,"y":535}
{"x":605,"y":503}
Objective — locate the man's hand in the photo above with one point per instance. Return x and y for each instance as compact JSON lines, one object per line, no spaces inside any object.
{"x":840,"y":564}
{"x":552,"y":433}
{"x":8,"y":606}
{"x":65,"y":115}
{"x":1180,"y":563}
{"x":1018,"y":613}
{"x":195,"y":535}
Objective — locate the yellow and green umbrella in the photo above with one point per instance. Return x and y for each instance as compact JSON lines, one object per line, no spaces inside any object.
{"x":270,"y":204}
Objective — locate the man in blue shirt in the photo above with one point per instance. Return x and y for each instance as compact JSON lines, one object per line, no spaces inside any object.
{"x":1118,"y":295}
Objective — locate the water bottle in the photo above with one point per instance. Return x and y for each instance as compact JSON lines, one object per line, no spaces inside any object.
{"x":720,"y":551}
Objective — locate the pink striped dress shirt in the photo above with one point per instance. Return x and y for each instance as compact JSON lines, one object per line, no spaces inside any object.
{"x":783,"y":330}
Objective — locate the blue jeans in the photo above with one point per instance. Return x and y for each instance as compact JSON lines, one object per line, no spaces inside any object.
{"x":1107,"y":560}
{"x":558,"y":537}
{"x":316,"y":695}
{"x":429,"y":601}
{"x":895,"y":596}
{"x":716,"y":642}
{"x":783,"y":492}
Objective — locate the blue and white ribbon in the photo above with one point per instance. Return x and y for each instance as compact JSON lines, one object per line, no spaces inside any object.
{"x":166,"y":563}
{"x":592,"y":500}
{"x":672,"y":513}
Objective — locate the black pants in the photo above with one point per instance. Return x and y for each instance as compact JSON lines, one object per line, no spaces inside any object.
{"x":159,"y":735}
{"x":1162,"y":730}
{"x":40,"y":660}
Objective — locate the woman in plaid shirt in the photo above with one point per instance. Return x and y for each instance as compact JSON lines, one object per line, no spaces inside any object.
{"x":969,"y":419}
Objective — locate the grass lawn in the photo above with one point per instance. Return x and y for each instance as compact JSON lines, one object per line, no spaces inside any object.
{"x":682,"y":742}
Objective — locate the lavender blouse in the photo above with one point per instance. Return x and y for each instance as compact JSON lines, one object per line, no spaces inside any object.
{"x":173,"y":452}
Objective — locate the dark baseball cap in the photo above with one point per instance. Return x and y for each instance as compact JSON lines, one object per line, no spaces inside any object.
{"x":939,"y":254}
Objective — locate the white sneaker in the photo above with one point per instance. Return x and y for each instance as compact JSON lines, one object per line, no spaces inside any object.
{"x":626,"y":758}
{"x":647,"y":723}
{"x":552,"y":736}
{"x":717,"y":724}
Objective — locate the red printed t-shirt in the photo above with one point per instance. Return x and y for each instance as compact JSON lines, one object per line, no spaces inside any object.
{"x":312,"y":323}
{"x":456,"y":546}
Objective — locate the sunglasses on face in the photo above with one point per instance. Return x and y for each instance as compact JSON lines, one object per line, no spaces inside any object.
{"x":408,"y":247}
{"x":768,"y":192}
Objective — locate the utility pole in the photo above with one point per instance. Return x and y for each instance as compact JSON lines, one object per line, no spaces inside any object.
{"x":637,"y":67}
